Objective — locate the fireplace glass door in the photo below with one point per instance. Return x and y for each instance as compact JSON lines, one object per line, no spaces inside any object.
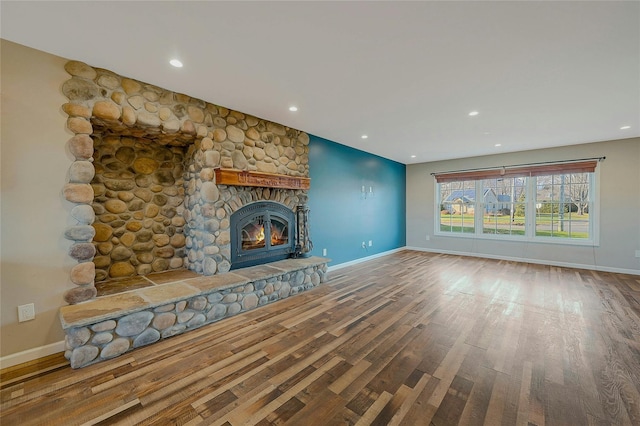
{"x":261,"y":232}
{"x":253,"y":235}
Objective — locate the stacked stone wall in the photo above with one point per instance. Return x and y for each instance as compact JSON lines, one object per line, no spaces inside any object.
{"x":208,"y":209}
{"x":102,"y":103}
{"x":138,"y":197}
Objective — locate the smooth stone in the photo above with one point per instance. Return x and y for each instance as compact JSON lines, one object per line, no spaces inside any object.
{"x":104,"y":326}
{"x":234,"y":308}
{"x":239,"y":160}
{"x":76,"y":110}
{"x":102,"y":232}
{"x":128,"y":115}
{"x":81,"y":172}
{"x":77,"y":337}
{"x":165,"y":253}
{"x":148,"y":119}
{"x":219,"y":135}
{"x":214,"y":297}
{"x":121,"y":253}
{"x":217,"y":311}
{"x":165,"y":308}
{"x":235,"y":134}
{"x":198,"y":303}
{"x":121,"y":269}
{"x":224,"y":238}
{"x":79,"y":125}
{"x":130,"y":86}
{"x":80,"y":69}
{"x":83,"y":273}
{"x":84,"y":214}
{"x":80,"y":233}
{"x":115,"y":206}
{"x":224,"y":267}
{"x":188,"y":127}
{"x":81,"y":147}
{"x":276,"y":128}
{"x":164,"y":320}
{"x":106,"y":110}
{"x":284,"y":290}
{"x":145,"y":165}
{"x":78,"y":192}
{"x":209,"y":192}
{"x":83,"y":356}
{"x":147,"y":337}
{"x":82,"y":251}
{"x":78,"y":89}
{"x":196,"y":321}
{"x":195,"y":114}
{"x":119,"y":184}
{"x":250,"y":301}
{"x":102,"y":338}
{"x":115,"y":348}
{"x":185,"y":316}
{"x":133,"y":324}
{"x":211,"y":158}
{"x":80,"y":294}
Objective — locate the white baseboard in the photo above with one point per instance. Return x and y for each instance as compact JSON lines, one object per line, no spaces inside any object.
{"x":364,"y":259}
{"x":525,"y":260}
{"x":31,"y":354}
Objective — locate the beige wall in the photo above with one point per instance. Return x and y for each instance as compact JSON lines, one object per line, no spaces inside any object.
{"x":619,"y":208}
{"x":34,"y":214}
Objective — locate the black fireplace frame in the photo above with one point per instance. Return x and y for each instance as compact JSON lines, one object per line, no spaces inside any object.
{"x":241,"y":258}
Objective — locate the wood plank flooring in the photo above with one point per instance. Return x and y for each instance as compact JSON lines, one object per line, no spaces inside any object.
{"x":407,"y":339}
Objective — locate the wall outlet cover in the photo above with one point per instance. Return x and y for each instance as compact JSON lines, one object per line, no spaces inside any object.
{"x":26,"y":312}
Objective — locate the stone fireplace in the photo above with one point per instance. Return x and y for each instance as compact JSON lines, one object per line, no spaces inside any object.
{"x":151,"y":180}
{"x":159,"y":182}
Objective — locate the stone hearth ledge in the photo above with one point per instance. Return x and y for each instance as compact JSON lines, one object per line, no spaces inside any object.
{"x":109,"y":326}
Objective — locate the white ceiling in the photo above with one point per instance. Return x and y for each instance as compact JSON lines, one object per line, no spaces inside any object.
{"x":407,"y":74}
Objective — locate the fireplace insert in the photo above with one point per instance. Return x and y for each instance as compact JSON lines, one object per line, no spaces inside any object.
{"x":262,"y":232}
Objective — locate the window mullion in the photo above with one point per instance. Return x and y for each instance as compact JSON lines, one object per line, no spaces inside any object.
{"x":479,"y":209}
{"x":530,"y":211}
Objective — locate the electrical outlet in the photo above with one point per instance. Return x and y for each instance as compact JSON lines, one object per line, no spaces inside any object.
{"x":428,"y":237}
{"x":364,"y":245}
{"x":637,"y":253}
{"x":324,"y":252}
{"x":370,"y":243}
{"x":26,"y":312}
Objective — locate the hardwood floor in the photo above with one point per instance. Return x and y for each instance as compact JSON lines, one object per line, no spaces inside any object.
{"x":407,"y":339}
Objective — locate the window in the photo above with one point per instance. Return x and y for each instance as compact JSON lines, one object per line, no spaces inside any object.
{"x":551,"y":202}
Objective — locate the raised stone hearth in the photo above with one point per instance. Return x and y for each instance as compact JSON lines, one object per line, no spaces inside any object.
{"x":108,"y":326}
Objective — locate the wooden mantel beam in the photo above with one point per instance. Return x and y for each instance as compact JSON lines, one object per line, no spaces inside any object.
{"x":235,"y":177}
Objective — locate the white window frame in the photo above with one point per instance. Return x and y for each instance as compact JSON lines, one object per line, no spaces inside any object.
{"x":530,"y":219}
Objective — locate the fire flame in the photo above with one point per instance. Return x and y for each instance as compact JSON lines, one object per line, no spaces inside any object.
{"x":260,"y":235}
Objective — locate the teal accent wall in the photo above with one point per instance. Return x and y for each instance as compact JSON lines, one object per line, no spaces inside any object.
{"x":341,"y":218}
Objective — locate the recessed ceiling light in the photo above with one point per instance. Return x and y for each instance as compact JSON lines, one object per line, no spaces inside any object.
{"x":413,"y":156}
{"x":497,"y":145}
{"x":293,"y":108}
{"x":176,"y":63}
{"x":364,"y":136}
{"x":625,"y":127}
{"x":473,"y":113}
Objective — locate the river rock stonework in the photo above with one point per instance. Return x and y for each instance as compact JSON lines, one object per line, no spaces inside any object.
{"x":108,"y":338}
{"x":138,"y":148}
{"x":138,"y":203}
